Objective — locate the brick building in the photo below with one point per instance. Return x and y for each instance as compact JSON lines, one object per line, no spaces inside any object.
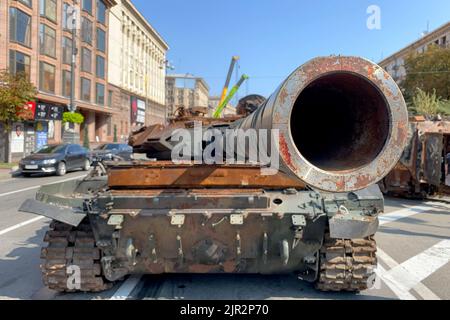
{"x":35,"y":39}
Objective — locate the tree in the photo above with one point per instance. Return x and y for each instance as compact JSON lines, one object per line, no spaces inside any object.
{"x":15,"y":92}
{"x":428,"y":71}
{"x":426,"y":104}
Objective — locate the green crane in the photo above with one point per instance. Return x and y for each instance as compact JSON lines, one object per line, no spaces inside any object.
{"x":230,"y":96}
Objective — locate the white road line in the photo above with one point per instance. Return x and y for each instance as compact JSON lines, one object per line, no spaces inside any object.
{"x":413,"y":271}
{"x":25,"y":223}
{"x":420,"y":288}
{"x":403,"y":213}
{"x":126,"y":288}
{"x":37,"y":187}
{"x":20,"y":225}
{"x":17,"y":191}
{"x":394,"y":285}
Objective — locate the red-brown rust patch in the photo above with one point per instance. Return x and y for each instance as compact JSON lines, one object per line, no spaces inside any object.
{"x":370,"y":72}
{"x":229,"y":266}
{"x":340,"y":184}
{"x":363,"y":181}
{"x":283,"y":95}
{"x":285,"y":153}
{"x":203,"y":268}
{"x":402,"y":133}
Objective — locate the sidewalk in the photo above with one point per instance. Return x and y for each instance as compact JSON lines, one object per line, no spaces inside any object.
{"x":8,"y":171}
{"x":5,"y":174}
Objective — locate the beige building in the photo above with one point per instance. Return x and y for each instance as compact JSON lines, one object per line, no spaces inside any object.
{"x":137,"y":67}
{"x":186,"y":91}
{"x":35,"y":39}
{"x":394,"y":64}
{"x":229,"y":110}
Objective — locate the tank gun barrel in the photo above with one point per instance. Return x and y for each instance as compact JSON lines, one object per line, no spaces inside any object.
{"x":342,"y":122}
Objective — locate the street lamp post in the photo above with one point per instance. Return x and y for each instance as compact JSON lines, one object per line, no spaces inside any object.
{"x":168,"y":66}
{"x":74,"y":24}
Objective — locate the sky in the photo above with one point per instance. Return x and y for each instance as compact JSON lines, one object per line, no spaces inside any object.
{"x":273,"y":38}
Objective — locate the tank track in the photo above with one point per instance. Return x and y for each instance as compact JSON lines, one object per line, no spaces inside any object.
{"x":69,"y":246}
{"x":347,"y":265}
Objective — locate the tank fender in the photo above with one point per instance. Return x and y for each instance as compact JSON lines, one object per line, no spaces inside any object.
{"x":354,"y":215}
{"x":342,"y":227}
{"x":61,"y":214}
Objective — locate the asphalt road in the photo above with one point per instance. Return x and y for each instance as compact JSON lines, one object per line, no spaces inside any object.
{"x":414,"y":259}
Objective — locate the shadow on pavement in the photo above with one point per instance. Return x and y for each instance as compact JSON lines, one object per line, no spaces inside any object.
{"x":239,"y":287}
{"x":20,"y":268}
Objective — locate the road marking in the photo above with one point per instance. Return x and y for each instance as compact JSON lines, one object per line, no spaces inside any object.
{"x":394,"y":285}
{"x":413,"y":271}
{"x":402,"y":214}
{"x":37,"y":187}
{"x":420,"y":288}
{"x":126,"y":288}
{"x":20,"y":225}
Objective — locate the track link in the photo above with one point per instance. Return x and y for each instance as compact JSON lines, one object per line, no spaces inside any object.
{"x":347,"y":265}
{"x":68,"y":246}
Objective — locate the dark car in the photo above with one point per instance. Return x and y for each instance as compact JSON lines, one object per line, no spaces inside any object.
{"x":110,"y":151}
{"x":56,"y":159}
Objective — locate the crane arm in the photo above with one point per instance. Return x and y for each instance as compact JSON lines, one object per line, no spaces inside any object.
{"x":230,"y":96}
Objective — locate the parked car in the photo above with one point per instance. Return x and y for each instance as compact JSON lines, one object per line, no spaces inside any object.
{"x":109,"y":151}
{"x":56,"y":159}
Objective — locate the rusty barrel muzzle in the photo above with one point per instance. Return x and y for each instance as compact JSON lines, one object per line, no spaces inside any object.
{"x":342,"y":122}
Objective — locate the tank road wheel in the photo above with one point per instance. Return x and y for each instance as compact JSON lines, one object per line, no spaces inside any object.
{"x":69,"y":248}
{"x":347,"y":265}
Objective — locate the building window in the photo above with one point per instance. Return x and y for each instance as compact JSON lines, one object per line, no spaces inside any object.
{"x":46,"y":77}
{"x":86,"y":60}
{"x":100,"y":67}
{"x":65,"y":16}
{"x":101,"y":12}
{"x":28,"y":3}
{"x":48,"y":9}
{"x":100,"y":94}
{"x":86,"y":30}
{"x":87,"y":6}
{"x":67,"y":50}
{"x":110,"y":97}
{"x":101,"y":40}
{"x":47,"y":40}
{"x":19,"y":27}
{"x":85,"y":89}
{"x":66,"y":83}
{"x":19,"y":63}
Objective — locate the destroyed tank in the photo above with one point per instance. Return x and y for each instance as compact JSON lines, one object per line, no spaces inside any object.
{"x":342,"y":125}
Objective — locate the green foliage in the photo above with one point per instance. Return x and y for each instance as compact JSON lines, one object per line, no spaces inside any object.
{"x":86,"y":138}
{"x":426,"y":104}
{"x":444,"y":108}
{"x":15,"y":92}
{"x":73,"y":117}
{"x":428,"y":71}
{"x":115,"y":133}
{"x":429,"y":104}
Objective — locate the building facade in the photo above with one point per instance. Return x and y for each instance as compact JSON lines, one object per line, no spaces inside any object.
{"x":137,"y":67}
{"x":213,"y":103}
{"x":394,"y":64}
{"x":35,"y":39}
{"x":186,"y":91}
